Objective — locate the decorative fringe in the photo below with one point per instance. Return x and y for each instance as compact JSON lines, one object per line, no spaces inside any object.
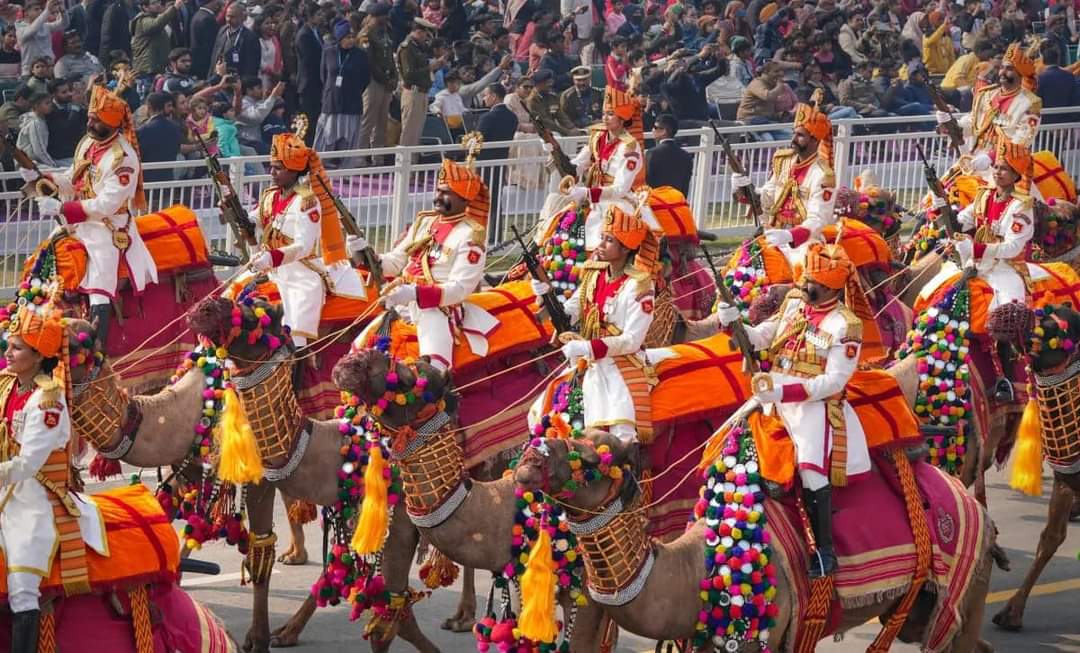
{"x":537,"y":620}
{"x":374,"y":516}
{"x":47,"y":632}
{"x":240,"y":462}
{"x":1027,"y":459}
{"x":302,"y":512}
{"x":140,"y":620}
{"x":260,"y":559}
{"x":101,"y":468}
{"x":816,"y":615}
{"x":438,"y":570}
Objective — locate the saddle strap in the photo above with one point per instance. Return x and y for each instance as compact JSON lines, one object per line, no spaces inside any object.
{"x":639,"y":383}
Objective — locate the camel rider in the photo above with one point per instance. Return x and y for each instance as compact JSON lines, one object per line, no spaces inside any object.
{"x":1001,"y":223}
{"x":440,"y":262}
{"x":611,"y":165}
{"x":1009,"y":110}
{"x":41,"y":519}
{"x":303,"y":248}
{"x":96,"y":199}
{"x":798,"y":198}
{"x":814,"y":341}
{"x":613,"y":306}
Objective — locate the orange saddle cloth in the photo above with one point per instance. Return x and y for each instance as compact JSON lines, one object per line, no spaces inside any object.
{"x":335,"y":309}
{"x":143,"y":547}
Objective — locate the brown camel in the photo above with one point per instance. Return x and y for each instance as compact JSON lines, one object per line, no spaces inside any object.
{"x":1066,"y":487}
{"x":667,"y":606}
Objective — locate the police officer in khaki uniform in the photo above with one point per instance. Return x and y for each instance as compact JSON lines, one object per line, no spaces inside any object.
{"x":375,"y":39}
{"x":415,"y":65}
{"x":543,"y":105}
{"x":582,"y":103}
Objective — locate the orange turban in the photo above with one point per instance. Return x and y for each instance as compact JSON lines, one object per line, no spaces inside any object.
{"x":290,"y":150}
{"x":817,"y":123}
{"x":1018,"y":157}
{"x":830,"y":266}
{"x":767,"y":12}
{"x":621,"y":103}
{"x":633,"y":233}
{"x":467,"y":184}
{"x":1024,"y":65}
{"x":112,"y":110}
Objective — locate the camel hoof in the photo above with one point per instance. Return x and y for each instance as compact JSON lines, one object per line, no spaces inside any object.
{"x":251,"y":646}
{"x":457,"y":624}
{"x":1008,"y":619}
{"x":1001,"y":559}
{"x":295,"y":559}
{"x":983,"y":646}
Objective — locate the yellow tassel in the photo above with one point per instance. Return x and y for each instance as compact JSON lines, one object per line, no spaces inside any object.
{"x":239,"y":462}
{"x":374,"y":516}
{"x":1027,"y":455}
{"x":537,"y":620}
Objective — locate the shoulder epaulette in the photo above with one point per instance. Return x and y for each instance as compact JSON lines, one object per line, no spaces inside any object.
{"x":629,"y":141}
{"x":1025,"y":199}
{"x":50,"y":391}
{"x":828,"y":176}
{"x":1035,"y":102}
{"x":642,"y":281}
{"x":854,"y":324}
{"x":308,"y":200}
{"x":479,"y":232}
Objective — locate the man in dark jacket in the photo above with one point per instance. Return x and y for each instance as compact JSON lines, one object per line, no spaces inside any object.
{"x":236,"y":45}
{"x":686,"y":82}
{"x":66,"y":122}
{"x":309,"y":84}
{"x":115,"y":31}
{"x":159,"y":137}
{"x":1057,"y":86}
{"x":558,"y":63}
{"x":204,"y":31}
{"x":497,"y":125}
{"x":668,"y":164}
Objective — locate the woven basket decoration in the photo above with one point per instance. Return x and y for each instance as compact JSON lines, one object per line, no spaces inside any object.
{"x":274,"y":414}
{"x":665,"y":313}
{"x":1059,"y":416}
{"x":98,"y":412}
{"x":432,"y":472}
{"x":616,"y":552}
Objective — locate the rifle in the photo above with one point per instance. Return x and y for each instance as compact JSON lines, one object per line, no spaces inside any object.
{"x":367,"y":256}
{"x":736,"y":166}
{"x":952,"y":128}
{"x":738,"y":330}
{"x":232,"y":211}
{"x":559,"y":319}
{"x":562,"y":162}
{"x":950,"y":222}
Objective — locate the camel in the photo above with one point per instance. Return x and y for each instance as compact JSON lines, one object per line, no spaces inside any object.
{"x":668,"y":604}
{"x":1066,"y":485}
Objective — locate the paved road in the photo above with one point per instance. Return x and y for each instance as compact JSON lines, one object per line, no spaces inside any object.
{"x":1050,"y":622}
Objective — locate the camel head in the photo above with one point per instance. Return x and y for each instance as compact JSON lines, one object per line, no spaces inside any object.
{"x":250,"y":327}
{"x":82,"y":349}
{"x":584,"y":473}
{"x":1052,"y":338}
{"x":378,"y":380}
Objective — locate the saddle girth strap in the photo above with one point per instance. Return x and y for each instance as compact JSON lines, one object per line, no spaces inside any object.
{"x":74,"y":570}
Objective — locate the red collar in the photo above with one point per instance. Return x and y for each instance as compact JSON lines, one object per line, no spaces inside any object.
{"x":815,"y":314}
{"x":606,"y":146}
{"x":98,"y":149}
{"x":442,"y":226}
{"x":606,"y":287}
{"x":280,"y":201}
{"x":16,"y":402}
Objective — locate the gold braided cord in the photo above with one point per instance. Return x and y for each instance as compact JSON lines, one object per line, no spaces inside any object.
{"x":260,"y":559}
{"x":140,"y":620}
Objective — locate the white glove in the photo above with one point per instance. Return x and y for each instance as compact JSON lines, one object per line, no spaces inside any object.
{"x":778,"y":237}
{"x":578,"y":193}
{"x":943,"y":117}
{"x":261,"y":262}
{"x":966,"y":220}
{"x":540,"y":288}
{"x":981,"y":162}
{"x":576,"y":349}
{"x":727,"y":313}
{"x":400,"y":295}
{"x":29,"y":175}
{"x":966,"y":249}
{"x":771,"y":396}
{"x":356,"y":243}
{"x":49,"y":206}
{"x":548,"y":147}
{"x":938,"y":202}
{"x":740,"y":181}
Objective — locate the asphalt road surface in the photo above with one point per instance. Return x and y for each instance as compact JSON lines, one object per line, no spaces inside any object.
{"x":1050,"y":622}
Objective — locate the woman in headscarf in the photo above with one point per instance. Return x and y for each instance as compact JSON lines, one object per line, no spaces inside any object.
{"x":346,"y":74}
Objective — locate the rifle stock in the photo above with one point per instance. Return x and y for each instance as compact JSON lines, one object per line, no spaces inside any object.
{"x":738,"y":330}
{"x":232,"y":211}
{"x":562,"y":162}
{"x":952,"y":128}
{"x":748,"y":193}
{"x":559,"y":319}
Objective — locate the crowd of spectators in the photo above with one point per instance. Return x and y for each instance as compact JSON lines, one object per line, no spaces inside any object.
{"x":375,"y":73}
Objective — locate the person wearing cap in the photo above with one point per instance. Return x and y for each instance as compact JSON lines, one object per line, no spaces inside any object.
{"x":798,"y":198}
{"x":613,"y":308}
{"x":302,"y":245}
{"x":415,"y":64}
{"x":44,"y":522}
{"x":610,"y":164}
{"x":813,"y":342}
{"x":375,"y":39}
{"x":98,"y":199}
{"x":581,"y":103}
{"x":441,"y":262}
{"x":543,"y":105}
{"x":1008,"y":110}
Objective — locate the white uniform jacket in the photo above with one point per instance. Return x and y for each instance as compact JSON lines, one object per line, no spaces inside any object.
{"x":1001,"y":240}
{"x":986,"y":123}
{"x":799,"y":197}
{"x":815,"y":365}
{"x":608,"y":170}
{"x":96,"y":192}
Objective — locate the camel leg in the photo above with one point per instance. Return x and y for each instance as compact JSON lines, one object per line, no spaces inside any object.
{"x":969,"y":637}
{"x":260,"y":504}
{"x":397,"y":560}
{"x":463,"y":619}
{"x":1011,"y":617}
{"x":289,"y":634}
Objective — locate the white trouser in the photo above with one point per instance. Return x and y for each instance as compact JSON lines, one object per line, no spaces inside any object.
{"x":24,"y":590}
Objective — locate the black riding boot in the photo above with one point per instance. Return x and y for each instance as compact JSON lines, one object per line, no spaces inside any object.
{"x":101,"y":315}
{"x":819,"y":510}
{"x":24,"y":631}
